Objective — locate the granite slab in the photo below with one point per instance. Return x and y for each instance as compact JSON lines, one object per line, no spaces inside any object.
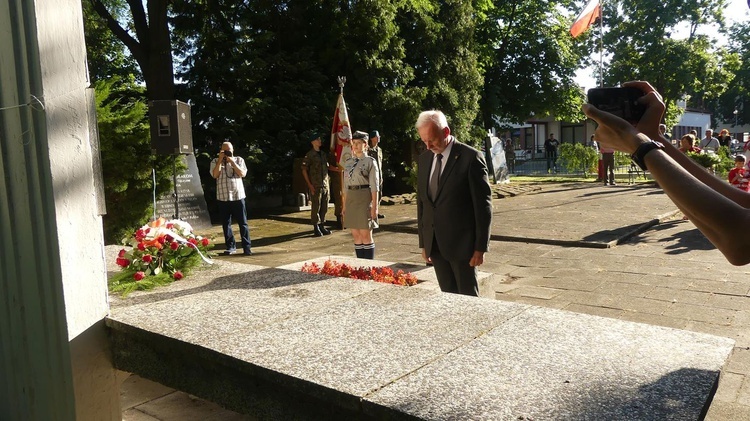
{"x":281,"y":344}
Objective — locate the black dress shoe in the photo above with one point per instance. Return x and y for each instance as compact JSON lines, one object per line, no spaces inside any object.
{"x":316,"y":231}
{"x":324,"y":230}
{"x":381,"y":216}
{"x":247,"y":253}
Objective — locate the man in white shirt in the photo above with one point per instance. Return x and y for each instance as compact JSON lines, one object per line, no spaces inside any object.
{"x":710,"y":142}
{"x":228,"y":170}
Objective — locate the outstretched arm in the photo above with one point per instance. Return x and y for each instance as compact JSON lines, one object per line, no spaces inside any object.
{"x":709,"y":203}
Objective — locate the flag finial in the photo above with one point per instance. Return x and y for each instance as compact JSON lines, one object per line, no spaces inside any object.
{"x":342,"y":81}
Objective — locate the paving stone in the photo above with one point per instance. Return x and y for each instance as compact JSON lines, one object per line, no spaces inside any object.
{"x":644,"y":305}
{"x":183,"y":407}
{"x":654,"y":319}
{"x":674,"y":295}
{"x":739,"y":361}
{"x":621,"y":288}
{"x":729,"y":387}
{"x":537,"y":292}
{"x":700,"y":313}
{"x":731,"y":302}
{"x":723,"y":411}
{"x":136,"y":390}
{"x":136,"y":415}
{"x":594,"y":310}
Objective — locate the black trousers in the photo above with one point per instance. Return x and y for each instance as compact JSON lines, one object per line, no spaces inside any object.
{"x":455,"y":276}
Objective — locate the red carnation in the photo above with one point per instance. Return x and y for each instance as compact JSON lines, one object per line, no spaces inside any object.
{"x":192,"y":241}
{"x":169,"y":238}
{"x":161,"y":239}
{"x":205,"y":242}
{"x":147,"y":258}
{"x":178,"y":275}
{"x":170,"y":225}
{"x":121,"y":253}
{"x":138,"y":276}
{"x":174,"y":245}
{"x":122,"y":262}
{"x":141,"y":246}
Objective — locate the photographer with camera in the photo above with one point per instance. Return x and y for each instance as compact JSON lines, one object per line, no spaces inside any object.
{"x":696,"y":192}
{"x":228,"y":170}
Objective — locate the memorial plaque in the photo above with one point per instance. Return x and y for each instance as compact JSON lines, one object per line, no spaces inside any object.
{"x":191,"y":203}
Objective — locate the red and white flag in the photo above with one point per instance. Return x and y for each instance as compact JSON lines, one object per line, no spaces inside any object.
{"x":341,"y":129}
{"x":588,"y":16}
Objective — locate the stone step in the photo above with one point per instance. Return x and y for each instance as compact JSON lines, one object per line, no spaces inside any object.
{"x":280,"y":344}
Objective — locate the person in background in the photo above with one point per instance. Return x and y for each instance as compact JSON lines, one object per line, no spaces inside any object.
{"x":724,"y":138}
{"x":687,"y":144}
{"x":716,"y":208}
{"x":361,"y":184}
{"x":315,"y":171}
{"x":608,"y":165}
{"x":599,"y":165}
{"x":228,"y":170}
{"x":710,"y":143}
{"x":738,"y":175}
{"x":335,"y":170}
{"x":510,"y":154}
{"x":454,"y":205}
{"x":376,"y":152}
{"x":550,"y":150}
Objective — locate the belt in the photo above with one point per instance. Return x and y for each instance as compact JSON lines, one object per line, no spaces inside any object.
{"x":361,"y":186}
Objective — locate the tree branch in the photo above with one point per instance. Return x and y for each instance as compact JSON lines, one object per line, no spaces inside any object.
{"x":140,"y":21}
{"x":133,"y":45}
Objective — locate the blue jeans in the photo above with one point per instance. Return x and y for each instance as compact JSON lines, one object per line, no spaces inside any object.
{"x":235,"y":209}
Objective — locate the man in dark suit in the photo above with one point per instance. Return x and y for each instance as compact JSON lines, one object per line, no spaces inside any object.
{"x":454,"y":205}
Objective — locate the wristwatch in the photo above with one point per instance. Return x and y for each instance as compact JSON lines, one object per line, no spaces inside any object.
{"x":640,"y":153}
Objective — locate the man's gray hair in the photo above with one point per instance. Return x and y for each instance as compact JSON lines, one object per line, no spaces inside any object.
{"x":435,"y":117}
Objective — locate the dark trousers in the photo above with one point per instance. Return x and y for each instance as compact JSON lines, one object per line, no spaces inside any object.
{"x":455,"y":276}
{"x":551,"y":160}
{"x":608,"y":161}
{"x":235,"y":209}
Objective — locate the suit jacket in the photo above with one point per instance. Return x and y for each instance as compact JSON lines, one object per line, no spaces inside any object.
{"x":460,"y":216}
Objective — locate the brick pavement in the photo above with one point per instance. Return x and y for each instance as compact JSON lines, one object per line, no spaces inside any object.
{"x":667,"y":275}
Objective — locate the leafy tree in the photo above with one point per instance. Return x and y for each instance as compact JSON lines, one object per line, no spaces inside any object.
{"x":106,"y":53}
{"x":737,"y":94}
{"x":147,"y":37}
{"x":639,"y":41}
{"x":528,"y":59}
{"x":578,"y":158}
{"x":127,"y":161}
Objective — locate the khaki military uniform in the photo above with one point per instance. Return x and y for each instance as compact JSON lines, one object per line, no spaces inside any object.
{"x":315,"y":163}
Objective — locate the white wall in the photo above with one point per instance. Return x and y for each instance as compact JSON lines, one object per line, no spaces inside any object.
{"x":80,"y":236}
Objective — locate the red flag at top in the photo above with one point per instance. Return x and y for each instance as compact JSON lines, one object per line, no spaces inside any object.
{"x":341,"y":129}
{"x":588,"y":16}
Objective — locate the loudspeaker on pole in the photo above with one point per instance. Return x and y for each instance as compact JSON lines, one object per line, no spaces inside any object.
{"x":171,"y":130}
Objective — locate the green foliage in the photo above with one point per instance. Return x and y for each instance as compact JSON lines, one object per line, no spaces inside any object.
{"x":410,"y":179}
{"x":578,"y":158}
{"x":105,"y":53}
{"x":127,"y":161}
{"x":726,"y":162}
{"x":123,"y":283}
{"x":737,"y":94}
{"x":638,"y":39}
{"x":529,"y":60}
{"x":706,"y":160}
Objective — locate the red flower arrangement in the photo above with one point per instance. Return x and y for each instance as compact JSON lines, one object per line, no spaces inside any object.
{"x":162,"y":251}
{"x":384,"y":275}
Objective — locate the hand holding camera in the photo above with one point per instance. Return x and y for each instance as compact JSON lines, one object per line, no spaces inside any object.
{"x":225,"y":155}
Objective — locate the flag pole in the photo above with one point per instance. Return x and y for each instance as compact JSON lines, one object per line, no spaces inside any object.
{"x":601,"y":44}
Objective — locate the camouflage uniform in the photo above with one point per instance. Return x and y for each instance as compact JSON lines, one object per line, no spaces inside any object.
{"x":315,"y":163}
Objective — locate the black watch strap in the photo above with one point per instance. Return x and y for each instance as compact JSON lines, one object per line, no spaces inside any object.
{"x":640,"y":153}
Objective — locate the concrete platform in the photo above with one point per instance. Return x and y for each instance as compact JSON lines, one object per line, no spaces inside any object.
{"x":280,"y":344}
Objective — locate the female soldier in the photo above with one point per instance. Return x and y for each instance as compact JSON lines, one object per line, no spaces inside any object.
{"x":361,"y":184}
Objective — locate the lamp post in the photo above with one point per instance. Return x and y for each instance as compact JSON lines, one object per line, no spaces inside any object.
{"x":735,"y":112}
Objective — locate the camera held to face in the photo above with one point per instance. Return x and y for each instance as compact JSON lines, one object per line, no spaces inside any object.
{"x":227,"y":154}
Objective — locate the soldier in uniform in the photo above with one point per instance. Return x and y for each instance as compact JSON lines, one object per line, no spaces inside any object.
{"x":315,"y":170}
{"x":376,"y":152}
